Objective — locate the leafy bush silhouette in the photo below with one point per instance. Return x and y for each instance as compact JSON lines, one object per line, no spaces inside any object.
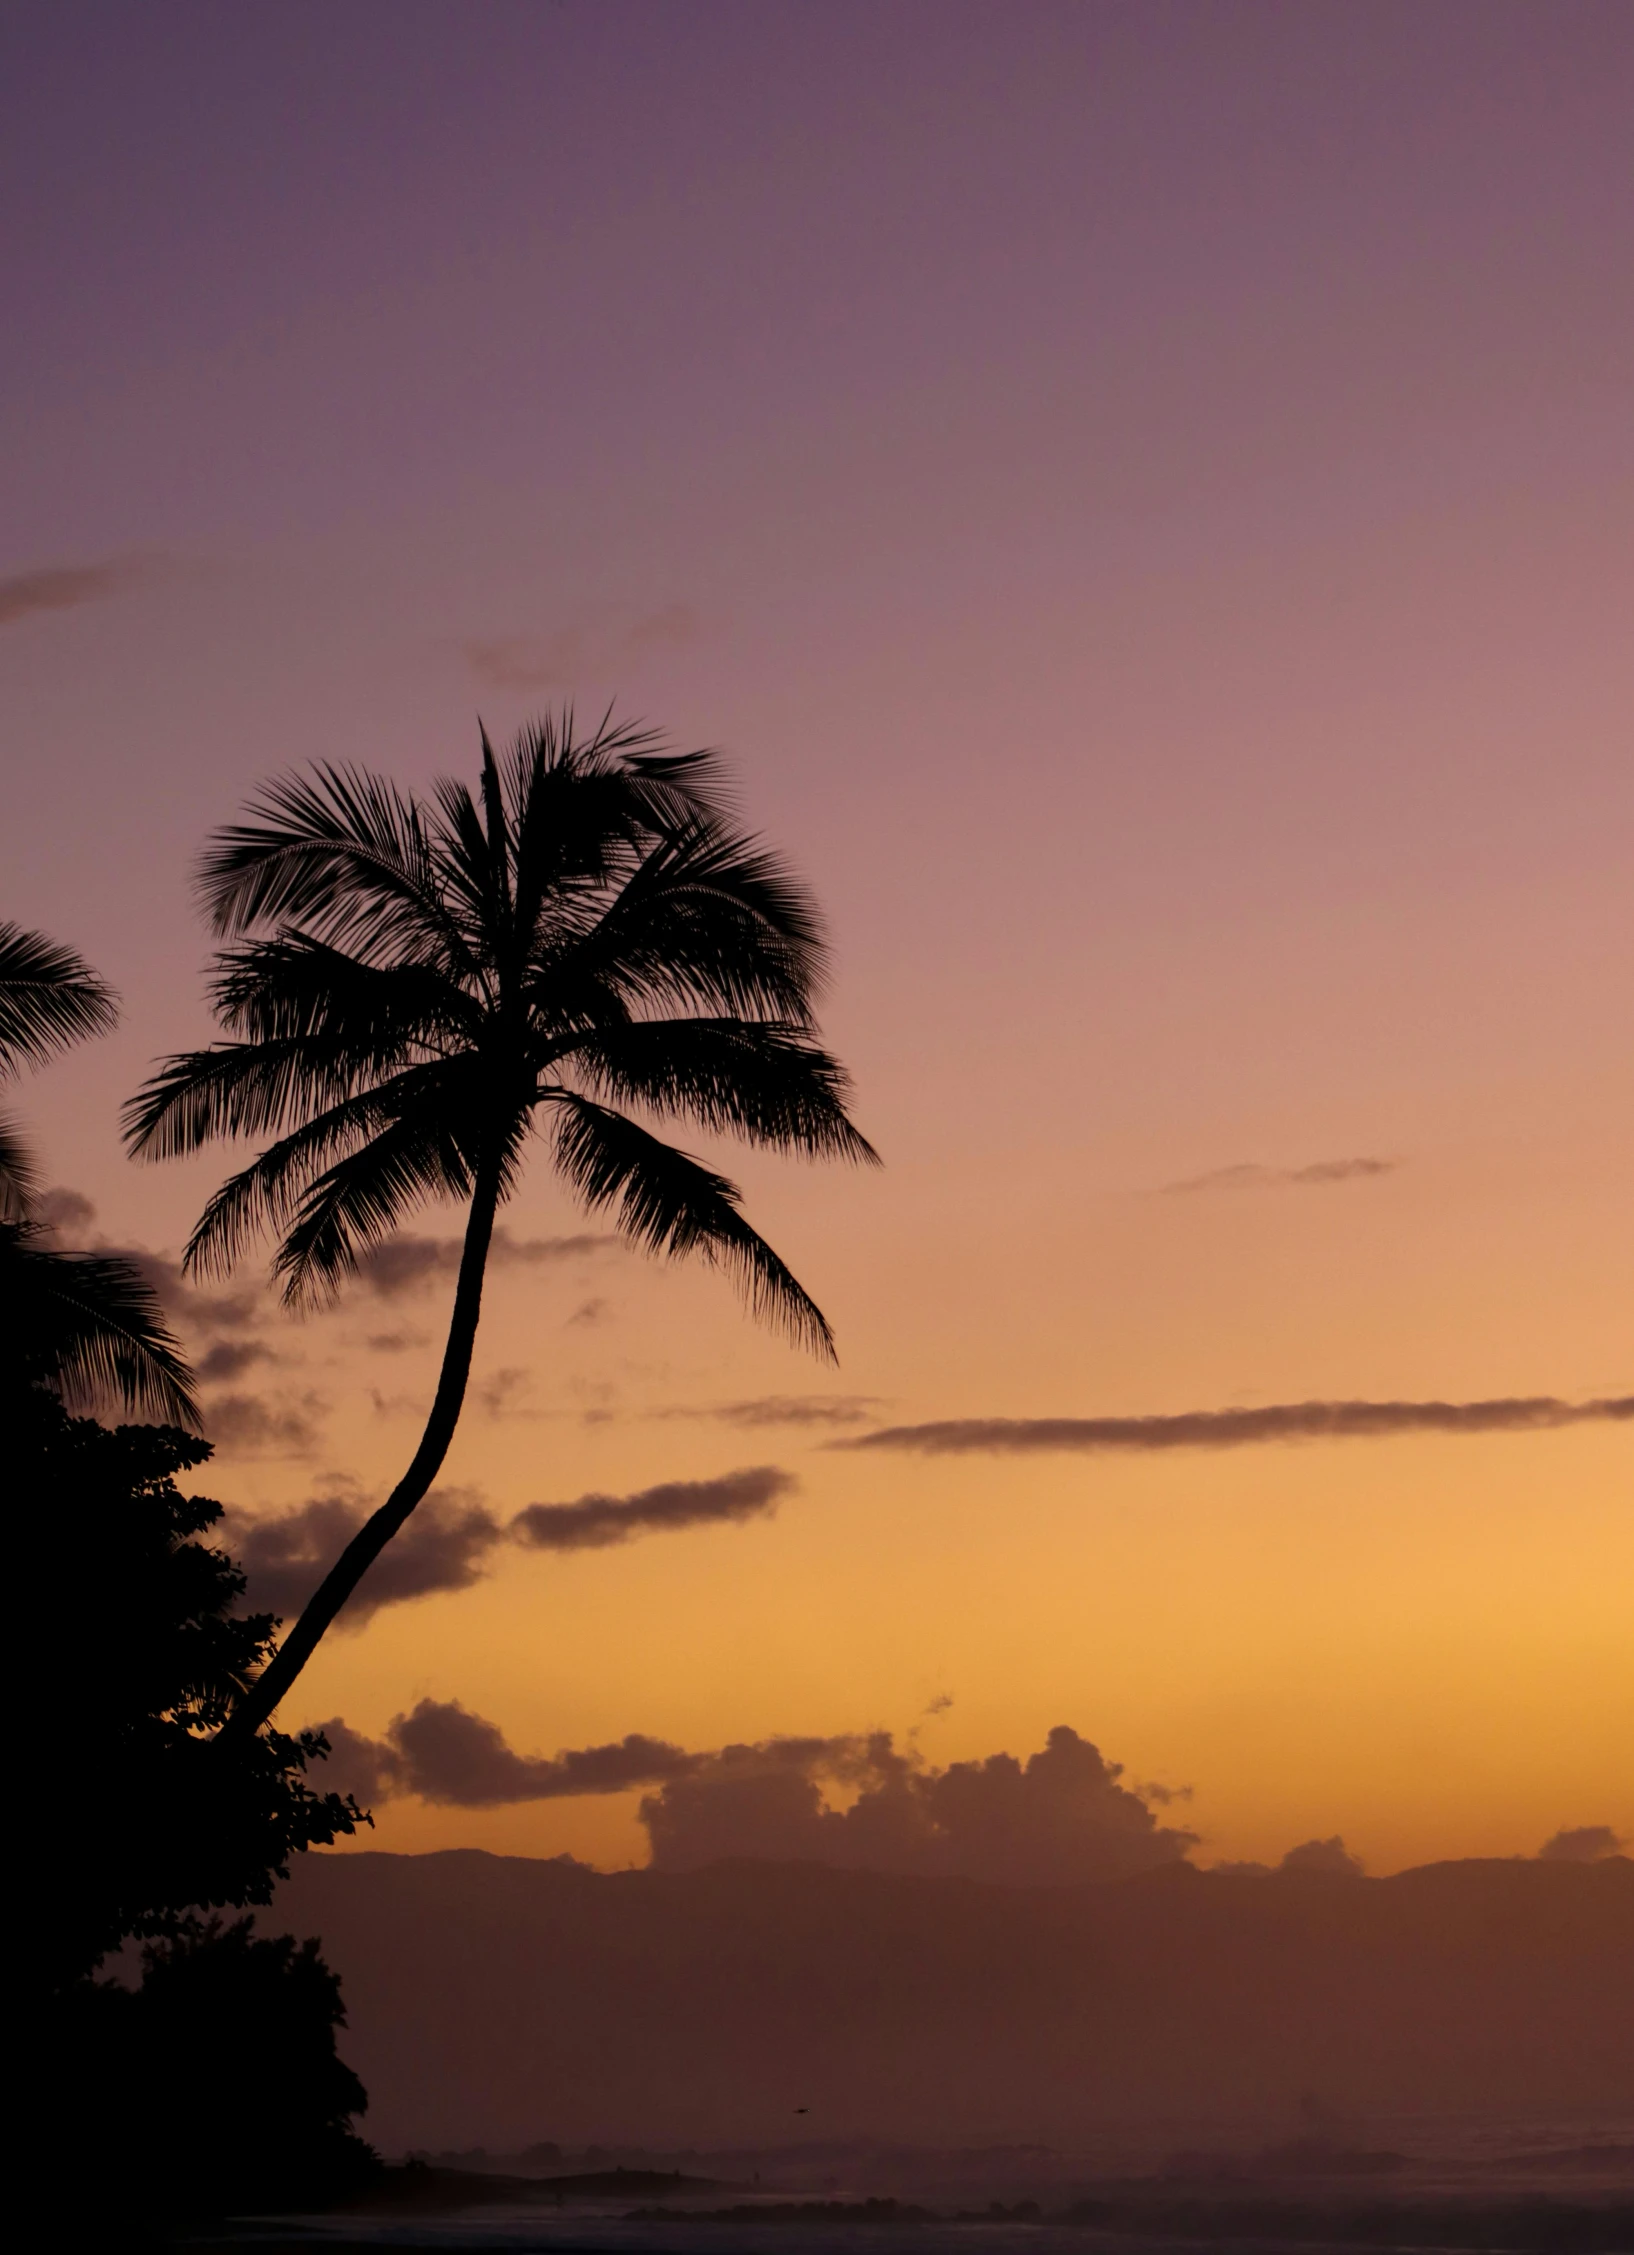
{"x":216,"y":2082}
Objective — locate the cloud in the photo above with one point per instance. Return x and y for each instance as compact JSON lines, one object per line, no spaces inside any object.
{"x":67,"y":1210}
{"x":443,"y":1753}
{"x":406,"y":1262}
{"x":394,"y":1342}
{"x":246,"y":1424}
{"x":783,"y":1409}
{"x":1327,"y":1857}
{"x":499,"y":1394}
{"x":183,"y":1301}
{"x":1582,"y":1844}
{"x":1248,"y":1176}
{"x":445,"y":1546}
{"x":1241,"y":1428}
{"x":604,"y":644}
{"x":1058,"y":1818}
{"x":449,"y":1541}
{"x":588,"y":1312}
{"x":596,"y":1521}
{"x":64,"y":587}
{"x":228,"y":1357}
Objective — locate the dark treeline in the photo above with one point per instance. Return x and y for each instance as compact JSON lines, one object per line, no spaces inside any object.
{"x":205,"y":2076}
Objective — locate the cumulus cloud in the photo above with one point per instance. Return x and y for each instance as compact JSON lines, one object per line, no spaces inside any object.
{"x":407,"y":1262}
{"x":1582,"y":1844}
{"x":606,"y":642}
{"x":1057,"y":1818}
{"x":64,"y":587}
{"x":1329,"y":1857}
{"x":443,"y":1753}
{"x":1325,"y":1857}
{"x":782,"y":1409}
{"x":1241,"y":1428}
{"x":445,"y":1546}
{"x":1313,"y":1177}
{"x":1060,"y":1817}
{"x":596,"y":1521}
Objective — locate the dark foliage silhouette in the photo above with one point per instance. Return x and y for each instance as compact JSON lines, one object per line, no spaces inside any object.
{"x":585,"y":937}
{"x":49,"y":998}
{"x":87,"y":1324}
{"x":148,"y":1827}
{"x":143,"y":2075}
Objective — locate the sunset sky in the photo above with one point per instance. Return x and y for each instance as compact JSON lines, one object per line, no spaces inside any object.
{"x":1141,"y":496}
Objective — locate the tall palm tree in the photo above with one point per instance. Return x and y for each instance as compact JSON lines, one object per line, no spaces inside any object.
{"x":432,"y":982}
{"x":86,"y":1324}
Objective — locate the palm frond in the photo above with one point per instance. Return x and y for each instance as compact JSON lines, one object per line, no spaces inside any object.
{"x":356,"y":1203}
{"x":708,"y":920}
{"x":340,"y":854}
{"x":49,"y":998}
{"x":19,"y":1173}
{"x":296,"y":985}
{"x":666,"y":1201}
{"x":90,"y":1325}
{"x":771,"y":1084}
{"x":269,"y":1192}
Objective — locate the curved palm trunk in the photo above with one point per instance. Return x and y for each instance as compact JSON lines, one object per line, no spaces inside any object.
{"x":274,"y":1681}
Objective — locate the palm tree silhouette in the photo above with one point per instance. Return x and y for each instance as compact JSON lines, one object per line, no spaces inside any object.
{"x":86,"y":1324}
{"x":587,"y":932}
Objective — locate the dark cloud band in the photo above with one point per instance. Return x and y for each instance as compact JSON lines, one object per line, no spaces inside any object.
{"x":444,"y":1753}
{"x":61,"y":587}
{"x":1240,"y":1428}
{"x":449,"y":1542}
{"x":1316,"y":1176}
{"x":597,"y":1521}
{"x":405,"y":1262}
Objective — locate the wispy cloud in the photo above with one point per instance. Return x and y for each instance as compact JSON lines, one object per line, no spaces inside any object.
{"x":230,"y":1358}
{"x":1249,"y":1176}
{"x":451,"y":1540}
{"x":596,"y":1521}
{"x":253,"y":1425}
{"x":781,"y":1409}
{"x":1240,"y":1428}
{"x":604,"y":643}
{"x":406,"y":1262}
{"x":64,"y":587}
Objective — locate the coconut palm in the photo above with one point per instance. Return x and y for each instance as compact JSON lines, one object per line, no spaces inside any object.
{"x":86,"y":1324}
{"x":429,"y":983}
{"x":49,"y":998}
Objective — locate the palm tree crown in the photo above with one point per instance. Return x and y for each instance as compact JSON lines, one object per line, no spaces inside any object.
{"x":586,"y":935}
{"x":49,"y":998}
{"x":88,"y":1325}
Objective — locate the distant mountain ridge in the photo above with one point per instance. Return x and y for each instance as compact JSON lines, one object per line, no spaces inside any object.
{"x":497,"y":2000}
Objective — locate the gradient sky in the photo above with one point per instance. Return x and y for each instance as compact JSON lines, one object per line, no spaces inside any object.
{"x":1142,"y":495}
